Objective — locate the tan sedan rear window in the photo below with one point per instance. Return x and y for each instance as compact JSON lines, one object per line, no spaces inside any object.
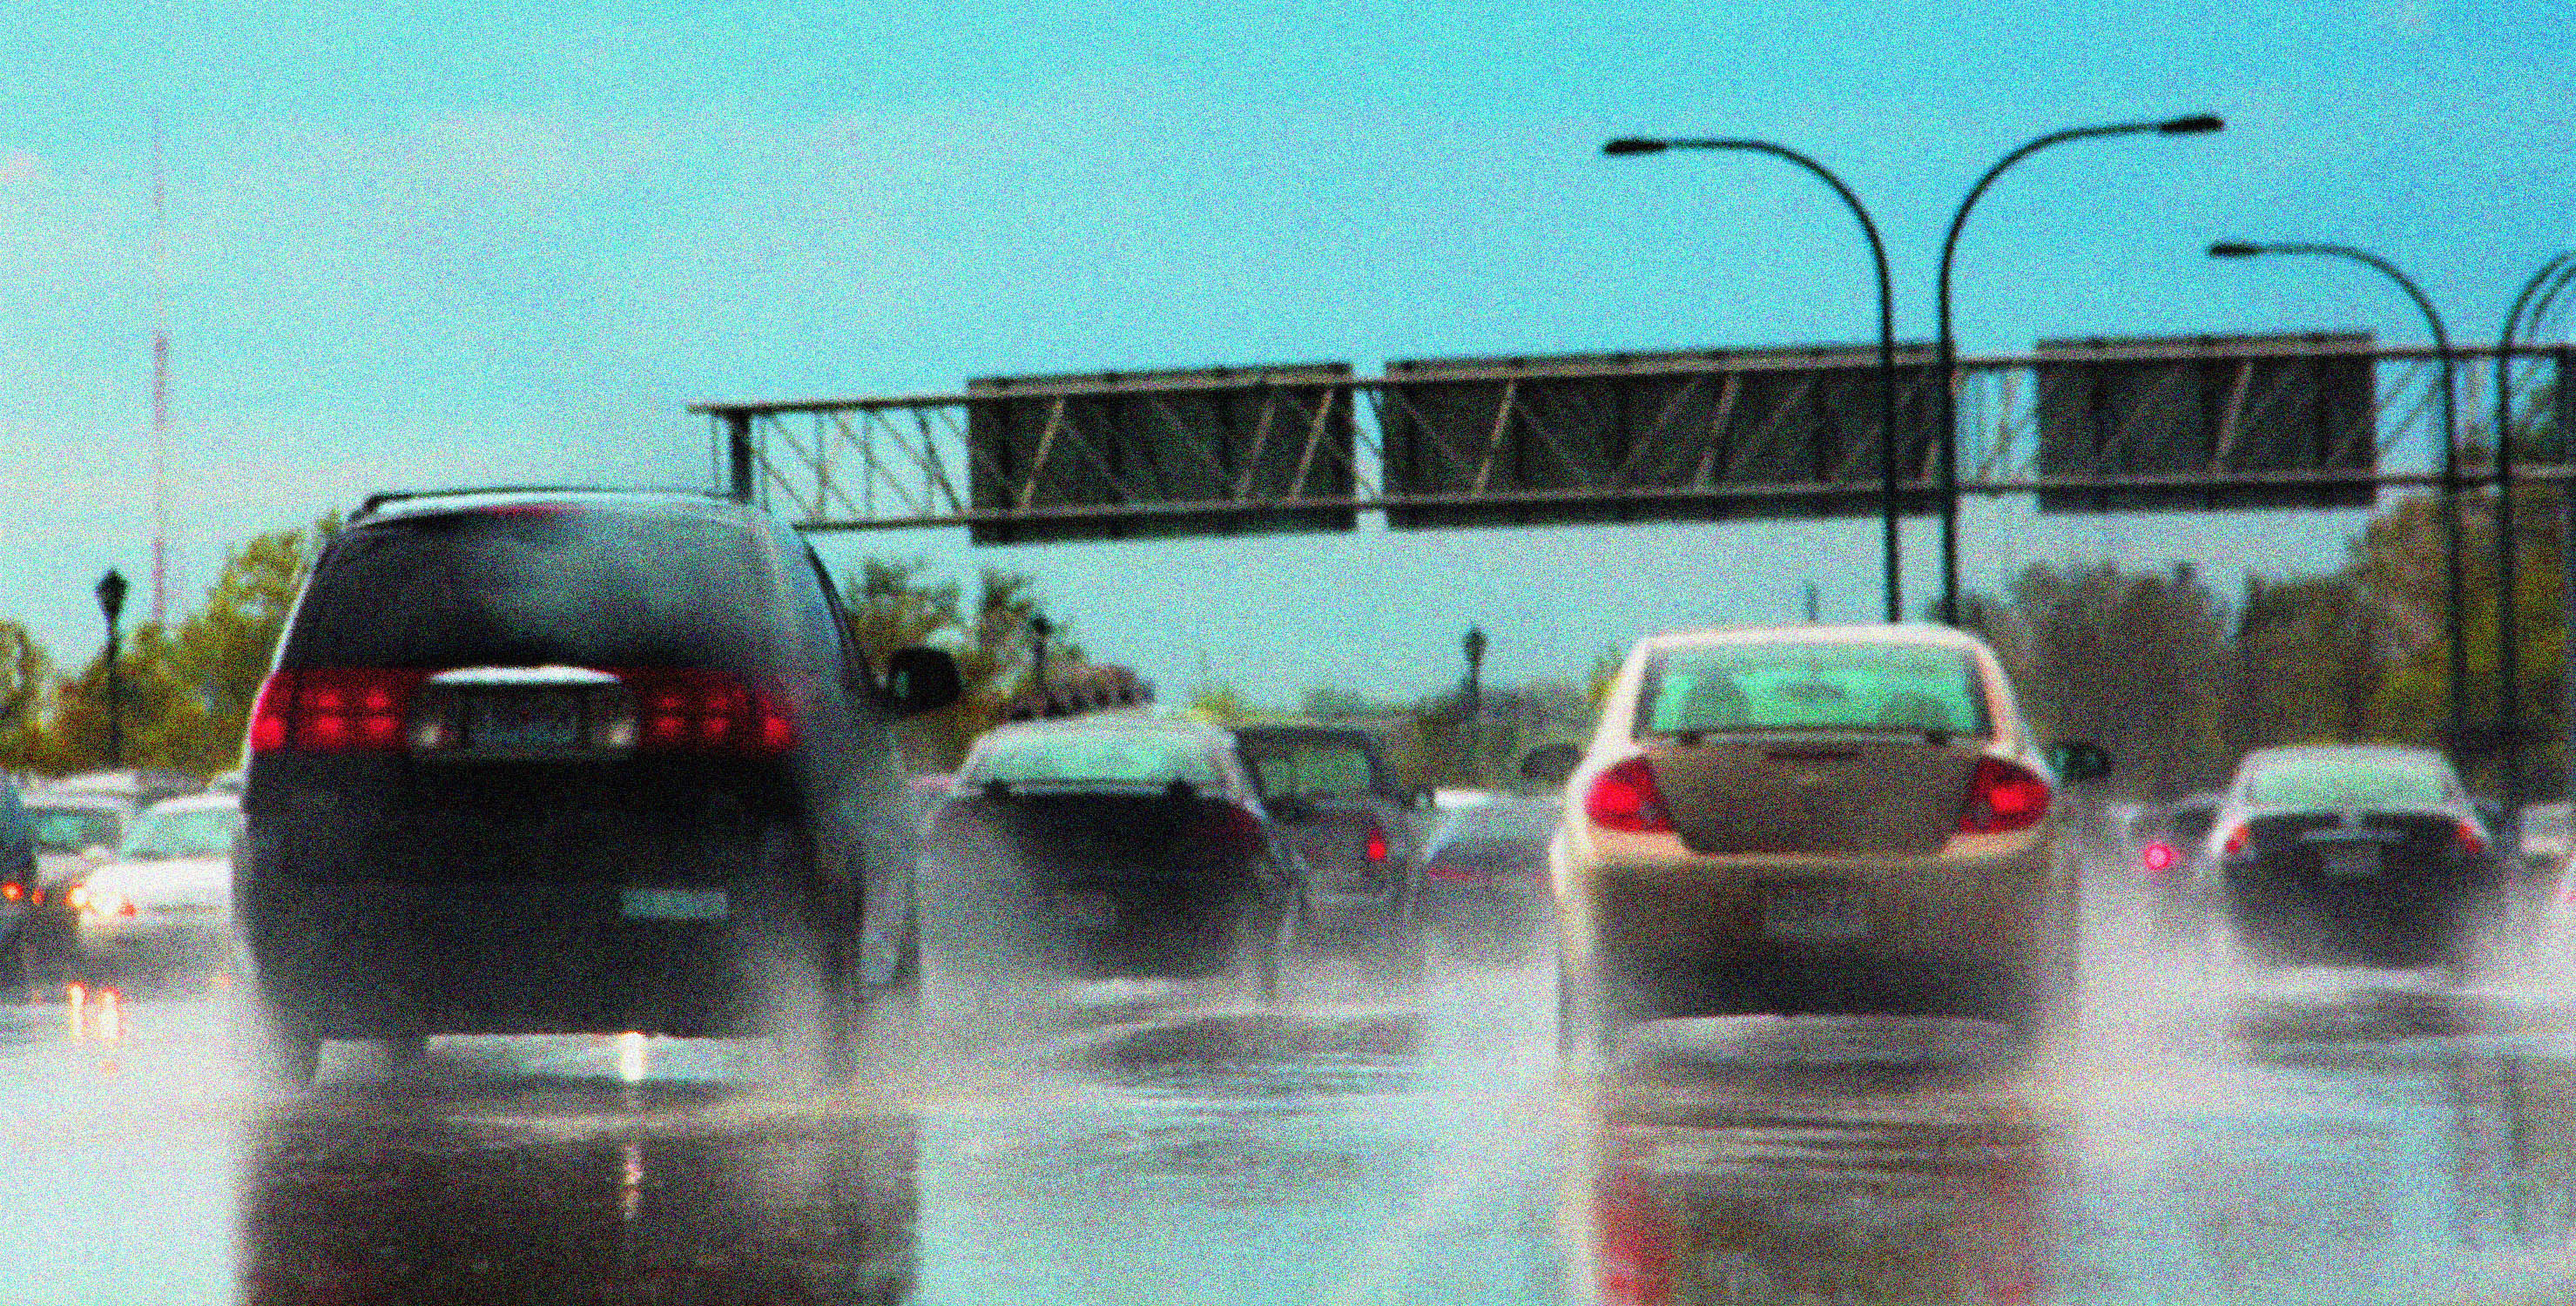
{"x":1812,"y":687}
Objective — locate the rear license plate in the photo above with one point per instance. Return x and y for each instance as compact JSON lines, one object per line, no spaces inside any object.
{"x":1087,"y":911}
{"x":522,"y":723}
{"x":1805,"y":915}
{"x":673,"y":904}
{"x":2348,"y":861}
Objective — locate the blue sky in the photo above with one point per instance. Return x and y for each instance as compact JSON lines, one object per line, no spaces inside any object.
{"x":452,"y":244}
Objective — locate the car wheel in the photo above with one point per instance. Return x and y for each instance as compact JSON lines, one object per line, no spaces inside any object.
{"x":798,"y":965}
{"x":282,"y":1051}
{"x":1262,"y":938}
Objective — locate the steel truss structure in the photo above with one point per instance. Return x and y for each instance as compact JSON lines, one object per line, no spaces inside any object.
{"x":907,"y":461}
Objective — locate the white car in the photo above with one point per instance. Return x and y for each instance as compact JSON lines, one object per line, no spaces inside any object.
{"x":1814,"y":820}
{"x":165,"y":898}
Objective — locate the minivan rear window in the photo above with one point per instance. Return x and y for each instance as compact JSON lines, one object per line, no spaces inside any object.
{"x":527,"y":586}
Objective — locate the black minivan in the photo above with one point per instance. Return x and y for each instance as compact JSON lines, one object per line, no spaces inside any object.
{"x":551,"y":761}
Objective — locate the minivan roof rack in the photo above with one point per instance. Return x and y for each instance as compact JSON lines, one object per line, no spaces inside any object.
{"x":382,"y":497}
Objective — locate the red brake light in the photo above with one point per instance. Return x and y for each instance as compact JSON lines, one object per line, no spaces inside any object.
{"x":12,"y":891}
{"x":1376,"y":849}
{"x":691,"y":710}
{"x":2158,"y":857}
{"x":2471,"y":842}
{"x":1637,"y":1236}
{"x":1235,"y":830}
{"x":2003,"y":797}
{"x":333,"y":709}
{"x":1625,"y":798}
{"x":2236,"y":841}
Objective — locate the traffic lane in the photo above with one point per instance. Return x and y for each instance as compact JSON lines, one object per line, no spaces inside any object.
{"x":1346,"y":1145}
{"x":119,"y":1123}
{"x":461,"y":1188}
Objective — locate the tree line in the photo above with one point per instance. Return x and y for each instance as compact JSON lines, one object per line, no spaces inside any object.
{"x":2155,"y":664}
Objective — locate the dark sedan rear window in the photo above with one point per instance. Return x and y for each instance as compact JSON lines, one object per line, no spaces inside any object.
{"x":2348,"y":782}
{"x":526,"y":586}
{"x":1089,"y":756}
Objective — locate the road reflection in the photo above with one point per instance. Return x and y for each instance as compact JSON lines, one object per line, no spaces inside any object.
{"x":1819,"y":1161}
{"x":443,"y":1188}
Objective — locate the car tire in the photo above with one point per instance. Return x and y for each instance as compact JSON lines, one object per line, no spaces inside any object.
{"x":798,"y":966}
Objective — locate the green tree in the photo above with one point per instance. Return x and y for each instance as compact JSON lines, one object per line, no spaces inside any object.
{"x":892,"y":605}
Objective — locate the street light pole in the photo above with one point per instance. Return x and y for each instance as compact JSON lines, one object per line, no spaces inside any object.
{"x":1473,"y":645}
{"x":1946,"y":460}
{"x":2508,"y":546}
{"x":2459,"y":666}
{"x":1889,"y":501}
{"x":111,"y":601}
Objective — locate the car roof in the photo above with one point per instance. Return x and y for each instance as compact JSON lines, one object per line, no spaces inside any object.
{"x":395,"y":504}
{"x":198,"y":802}
{"x":1110,"y":721}
{"x":90,"y":798}
{"x":2263,"y":757}
{"x":1910,"y":634}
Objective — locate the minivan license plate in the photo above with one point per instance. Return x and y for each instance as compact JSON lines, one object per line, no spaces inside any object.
{"x":522,"y":723}
{"x":1806,"y":915}
{"x":2349,"y":861}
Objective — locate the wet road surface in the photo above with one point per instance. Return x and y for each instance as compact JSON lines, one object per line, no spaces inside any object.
{"x":2319,"y":1137}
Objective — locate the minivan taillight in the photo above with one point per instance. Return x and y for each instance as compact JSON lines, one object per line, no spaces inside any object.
{"x":1625,"y":797}
{"x":694,"y":710}
{"x":1375,"y":848}
{"x":333,"y":709}
{"x":1634,"y":1259}
{"x":1233,"y":830}
{"x":2003,"y":797}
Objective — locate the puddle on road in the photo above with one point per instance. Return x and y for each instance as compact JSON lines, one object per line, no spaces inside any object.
{"x":1264,"y":1054}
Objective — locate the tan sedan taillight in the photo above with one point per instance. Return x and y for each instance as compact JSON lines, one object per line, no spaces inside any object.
{"x":2002,"y":798}
{"x":1625,"y":798}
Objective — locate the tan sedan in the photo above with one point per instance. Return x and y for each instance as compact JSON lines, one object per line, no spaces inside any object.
{"x":1814,"y":819}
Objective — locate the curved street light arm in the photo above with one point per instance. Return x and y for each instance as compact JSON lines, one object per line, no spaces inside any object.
{"x":1947,"y":433}
{"x":1895,"y":600}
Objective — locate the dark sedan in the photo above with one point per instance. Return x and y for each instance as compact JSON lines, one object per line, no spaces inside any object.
{"x":2352,"y":855}
{"x":1484,"y":873}
{"x":1109,"y":846}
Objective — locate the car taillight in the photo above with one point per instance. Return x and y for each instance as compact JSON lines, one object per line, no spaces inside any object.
{"x":2471,"y":842}
{"x":2236,"y":840}
{"x":13,"y":891}
{"x":2157,"y":857}
{"x":693,"y":710}
{"x":1375,"y":849}
{"x":2003,"y":797}
{"x":333,"y":709}
{"x":1635,"y":1257}
{"x":1625,"y":798}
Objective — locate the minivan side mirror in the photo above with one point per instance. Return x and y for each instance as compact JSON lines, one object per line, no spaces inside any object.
{"x":920,"y":680}
{"x":2077,"y":760}
{"x":1550,"y":764}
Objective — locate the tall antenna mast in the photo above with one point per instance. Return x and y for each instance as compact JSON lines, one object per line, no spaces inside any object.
{"x":160,"y":387}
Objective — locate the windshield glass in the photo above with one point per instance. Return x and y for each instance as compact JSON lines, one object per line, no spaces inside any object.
{"x":1097,"y":757}
{"x":1292,"y":765}
{"x":1812,"y":686}
{"x":519,"y":587}
{"x":70,"y":829}
{"x":2347,"y":782}
{"x":183,"y":832}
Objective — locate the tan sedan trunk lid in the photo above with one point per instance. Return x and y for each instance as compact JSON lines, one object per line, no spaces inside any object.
{"x":1839,"y":794}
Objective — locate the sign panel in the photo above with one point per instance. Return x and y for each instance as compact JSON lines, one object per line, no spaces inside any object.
{"x":1125,"y":455}
{"x":2208,"y":406}
{"x":1648,"y":437}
